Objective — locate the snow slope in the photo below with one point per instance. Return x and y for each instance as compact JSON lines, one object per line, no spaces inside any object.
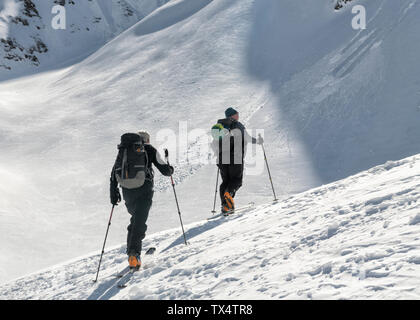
{"x":356,"y":238}
{"x":29,"y":43}
{"x":351,"y":97}
{"x":332,"y":101}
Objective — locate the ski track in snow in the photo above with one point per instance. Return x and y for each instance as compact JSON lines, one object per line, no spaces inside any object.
{"x":357,"y":238}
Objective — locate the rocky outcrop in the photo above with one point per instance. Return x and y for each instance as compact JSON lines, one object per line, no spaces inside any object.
{"x":30,"y":42}
{"x":341,"y":3}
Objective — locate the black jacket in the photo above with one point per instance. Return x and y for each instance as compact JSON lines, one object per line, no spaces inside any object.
{"x":153,"y":158}
{"x":234,"y":127}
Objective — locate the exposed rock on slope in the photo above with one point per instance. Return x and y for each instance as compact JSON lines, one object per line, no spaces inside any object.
{"x":28,"y":41}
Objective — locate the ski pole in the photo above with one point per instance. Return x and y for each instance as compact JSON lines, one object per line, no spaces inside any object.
{"x":269,"y":173}
{"x":176,"y":198}
{"x":103,"y":248}
{"x":215,"y":192}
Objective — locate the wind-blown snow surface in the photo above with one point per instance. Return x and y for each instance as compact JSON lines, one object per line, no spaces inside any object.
{"x":358,"y":238}
{"x":333,"y":101}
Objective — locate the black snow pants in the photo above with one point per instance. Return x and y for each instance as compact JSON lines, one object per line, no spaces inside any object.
{"x":138,"y":202}
{"x":232,"y":175}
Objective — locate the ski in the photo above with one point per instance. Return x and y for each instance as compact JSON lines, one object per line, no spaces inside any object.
{"x":150,"y":251}
{"x":122,"y":272}
{"x":123,"y":282}
{"x":249,"y":206}
{"x":126,"y":270}
{"x":237,"y":210}
{"x":125,"y":278}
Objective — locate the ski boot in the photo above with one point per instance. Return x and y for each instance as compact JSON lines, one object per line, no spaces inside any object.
{"x":228,"y":206}
{"x":230,"y":203}
{"x":225,"y":210}
{"x":134,"y":262}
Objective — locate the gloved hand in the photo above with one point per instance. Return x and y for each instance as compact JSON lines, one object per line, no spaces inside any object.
{"x":260,"y":140}
{"x":115,"y":196}
{"x":171,"y":169}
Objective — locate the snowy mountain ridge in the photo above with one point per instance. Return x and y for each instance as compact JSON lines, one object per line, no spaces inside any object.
{"x":357,"y":238}
{"x":29,"y":43}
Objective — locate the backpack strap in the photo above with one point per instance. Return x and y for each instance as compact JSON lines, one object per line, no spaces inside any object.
{"x":124,"y":165}
{"x":226,"y":123}
{"x":149,"y":171}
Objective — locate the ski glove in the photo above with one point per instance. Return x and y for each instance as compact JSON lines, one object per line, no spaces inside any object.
{"x":260,"y":140}
{"x":115,"y":196}
{"x":172,"y":170}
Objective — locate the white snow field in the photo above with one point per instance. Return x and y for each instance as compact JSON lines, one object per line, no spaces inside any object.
{"x":356,"y":238}
{"x":332,"y":101}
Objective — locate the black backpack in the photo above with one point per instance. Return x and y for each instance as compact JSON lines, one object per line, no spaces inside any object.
{"x":232,"y":128}
{"x":132,"y":161}
{"x":226,"y":123}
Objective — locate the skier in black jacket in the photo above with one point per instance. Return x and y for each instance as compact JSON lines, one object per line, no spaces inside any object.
{"x":231,"y":157}
{"x":139,"y":200}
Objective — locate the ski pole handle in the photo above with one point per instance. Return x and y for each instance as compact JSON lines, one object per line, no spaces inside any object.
{"x":167,"y":161}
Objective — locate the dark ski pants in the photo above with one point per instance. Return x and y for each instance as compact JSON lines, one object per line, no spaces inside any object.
{"x":138,"y":202}
{"x":232,"y":175}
